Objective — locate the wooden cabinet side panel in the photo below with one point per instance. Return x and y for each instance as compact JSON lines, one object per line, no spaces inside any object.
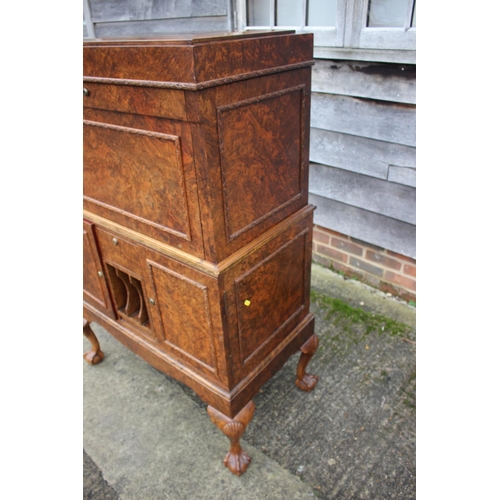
{"x":268,"y":296}
{"x":260,"y":150}
{"x":252,"y":152}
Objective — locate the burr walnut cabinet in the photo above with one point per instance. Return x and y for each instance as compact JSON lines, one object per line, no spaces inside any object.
{"x":197,"y":230}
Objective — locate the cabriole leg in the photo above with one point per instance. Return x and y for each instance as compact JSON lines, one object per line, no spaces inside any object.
{"x":95,"y":355}
{"x":237,"y":461}
{"x":305,"y":381}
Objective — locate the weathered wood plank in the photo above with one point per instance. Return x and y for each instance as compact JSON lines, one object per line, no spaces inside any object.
{"x":379,"y":196}
{"x":340,"y":53}
{"x":403,"y":175}
{"x":88,"y":25}
{"x":358,"y":154}
{"x":391,"y":122}
{"x":109,"y":10}
{"x":400,"y":237}
{"x":387,"y":82}
{"x":152,"y":9}
{"x":164,"y":26}
{"x":143,"y":10}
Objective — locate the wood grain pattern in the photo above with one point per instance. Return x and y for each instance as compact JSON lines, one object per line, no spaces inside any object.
{"x":195,"y":186}
{"x":136,"y":174}
{"x":237,"y":460}
{"x":281,"y":274}
{"x":306,"y":381}
{"x":95,"y":289}
{"x":95,"y":355}
{"x":185,"y":314}
{"x":394,"y":123}
{"x":388,"y":82}
{"x":261,"y":156}
{"x":145,"y":101}
{"x":158,"y":27}
{"x":109,"y":10}
{"x":194,"y":60}
{"x":375,"y":195}
{"x":359,"y":154}
{"x":385,"y":232}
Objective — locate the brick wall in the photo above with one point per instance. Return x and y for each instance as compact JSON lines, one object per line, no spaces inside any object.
{"x":383,"y":269}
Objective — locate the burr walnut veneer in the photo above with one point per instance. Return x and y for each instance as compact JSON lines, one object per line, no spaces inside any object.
{"x":197,"y":229}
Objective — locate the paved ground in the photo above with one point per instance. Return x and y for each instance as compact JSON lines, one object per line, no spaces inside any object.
{"x":148,"y":437}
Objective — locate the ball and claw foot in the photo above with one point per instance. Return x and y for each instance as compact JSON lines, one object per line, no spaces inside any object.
{"x":95,"y":355}
{"x":237,"y":463}
{"x":305,"y":381}
{"x":237,"y":460}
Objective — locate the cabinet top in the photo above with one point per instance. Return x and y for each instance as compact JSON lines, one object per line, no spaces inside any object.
{"x":183,"y":38}
{"x":194,"y":61}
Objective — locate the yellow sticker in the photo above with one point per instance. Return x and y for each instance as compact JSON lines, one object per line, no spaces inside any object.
{"x":247,"y":302}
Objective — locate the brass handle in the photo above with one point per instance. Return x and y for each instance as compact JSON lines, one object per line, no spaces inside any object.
{"x":86,"y":91}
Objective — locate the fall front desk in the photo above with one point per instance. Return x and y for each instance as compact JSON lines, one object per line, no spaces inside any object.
{"x":197,"y":230}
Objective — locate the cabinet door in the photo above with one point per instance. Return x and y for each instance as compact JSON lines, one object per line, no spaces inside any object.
{"x":187,"y":313}
{"x":95,"y":291}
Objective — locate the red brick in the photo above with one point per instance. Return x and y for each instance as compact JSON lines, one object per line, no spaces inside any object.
{"x":371,"y":280}
{"x":347,"y":246}
{"x":366,"y":266}
{"x":410,"y":270}
{"x":319,"y":259}
{"x":350,"y":272}
{"x":331,"y":232}
{"x":332,"y":253}
{"x":320,"y":237}
{"x":383,"y":260}
{"x":396,"y":291}
{"x":367,"y":245}
{"x":400,"y":280}
{"x":401,"y":257}
{"x":342,"y":268}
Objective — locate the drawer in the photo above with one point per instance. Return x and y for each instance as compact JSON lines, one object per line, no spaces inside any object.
{"x":164,"y":103}
{"x":118,"y":250}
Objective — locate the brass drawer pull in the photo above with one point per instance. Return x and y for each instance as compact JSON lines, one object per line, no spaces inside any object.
{"x":115,"y":241}
{"x":86,"y":91}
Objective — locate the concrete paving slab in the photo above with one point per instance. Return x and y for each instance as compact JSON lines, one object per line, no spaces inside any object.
{"x":151,"y":441}
{"x":358,"y":294}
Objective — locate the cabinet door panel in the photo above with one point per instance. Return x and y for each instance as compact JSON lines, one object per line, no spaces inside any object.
{"x":184,"y":310}
{"x":95,"y":290}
